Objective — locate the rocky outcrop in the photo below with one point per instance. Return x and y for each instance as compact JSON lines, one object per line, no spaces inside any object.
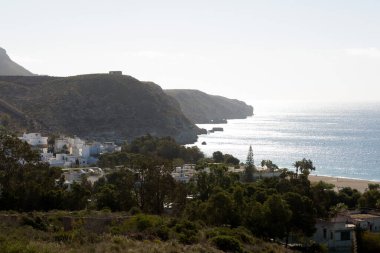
{"x":9,"y":67}
{"x":202,"y":108}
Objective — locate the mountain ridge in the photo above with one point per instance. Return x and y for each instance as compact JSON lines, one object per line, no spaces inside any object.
{"x":203,"y":108}
{"x":11,"y":68}
{"x":95,"y":106}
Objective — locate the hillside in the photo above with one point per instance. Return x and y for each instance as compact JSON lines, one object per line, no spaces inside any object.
{"x":203,"y":108}
{"x":98,"y":106}
{"x":9,"y":67}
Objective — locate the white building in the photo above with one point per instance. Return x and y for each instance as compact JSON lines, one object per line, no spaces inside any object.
{"x":184,"y":173}
{"x":368,"y":221}
{"x":34,"y":139}
{"x":337,"y":233}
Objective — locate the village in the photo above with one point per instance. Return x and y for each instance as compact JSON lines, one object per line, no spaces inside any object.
{"x":78,"y":159}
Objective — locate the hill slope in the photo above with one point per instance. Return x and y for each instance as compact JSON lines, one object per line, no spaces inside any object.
{"x":98,"y":106}
{"x":9,"y":67}
{"x":203,"y":108}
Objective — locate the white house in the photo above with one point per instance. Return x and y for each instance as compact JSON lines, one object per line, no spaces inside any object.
{"x":336,"y":233}
{"x":368,"y":221}
{"x":34,"y":139}
{"x":184,"y":173}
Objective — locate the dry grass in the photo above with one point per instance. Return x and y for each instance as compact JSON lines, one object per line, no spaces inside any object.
{"x":51,"y":238}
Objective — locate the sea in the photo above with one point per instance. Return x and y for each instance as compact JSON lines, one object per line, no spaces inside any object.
{"x":342,"y":140}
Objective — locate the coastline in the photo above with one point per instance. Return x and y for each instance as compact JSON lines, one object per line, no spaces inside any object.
{"x":340,"y":182}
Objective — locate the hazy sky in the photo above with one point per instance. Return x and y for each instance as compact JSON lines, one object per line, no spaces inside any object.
{"x":284,"y":49}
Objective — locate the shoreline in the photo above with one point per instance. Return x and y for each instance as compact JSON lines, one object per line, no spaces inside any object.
{"x":341,"y":182}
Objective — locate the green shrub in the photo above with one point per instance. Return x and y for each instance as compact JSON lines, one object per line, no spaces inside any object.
{"x":187,"y":232}
{"x":368,"y":242}
{"x":227,"y":243}
{"x":241,"y":234}
{"x":134,"y":210}
{"x":143,"y":222}
{"x":162,"y":232}
{"x":36,"y":223}
{"x":187,"y":239}
{"x":63,"y":236}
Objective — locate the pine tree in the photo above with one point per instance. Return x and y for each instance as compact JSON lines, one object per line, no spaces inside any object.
{"x":249,"y":166}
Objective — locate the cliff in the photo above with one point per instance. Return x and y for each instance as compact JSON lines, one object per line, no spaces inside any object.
{"x":9,"y":67}
{"x":203,"y":108}
{"x":98,"y":106}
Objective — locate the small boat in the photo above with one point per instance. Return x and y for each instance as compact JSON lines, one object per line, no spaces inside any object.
{"x":217,"y":129}
{"x":204,"y":143}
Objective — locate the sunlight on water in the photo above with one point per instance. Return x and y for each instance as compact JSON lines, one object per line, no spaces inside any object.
{"x":341,"y":139}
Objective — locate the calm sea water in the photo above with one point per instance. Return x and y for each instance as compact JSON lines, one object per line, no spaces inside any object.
{"x":341,"y":140}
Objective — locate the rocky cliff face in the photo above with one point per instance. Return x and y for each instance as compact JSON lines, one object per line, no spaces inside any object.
{"x":202,"y":108}
{"x":99,"y":106}
{"x":9,"y":67}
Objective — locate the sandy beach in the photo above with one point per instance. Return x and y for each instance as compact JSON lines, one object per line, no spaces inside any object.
{"x":360,"y":185}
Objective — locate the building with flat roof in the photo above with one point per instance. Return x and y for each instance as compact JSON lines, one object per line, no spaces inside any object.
{"x":116,"y":73}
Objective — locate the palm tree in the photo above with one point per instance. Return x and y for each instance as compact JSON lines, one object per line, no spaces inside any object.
{"x":270,"y":165}
{"x":304,"y":166}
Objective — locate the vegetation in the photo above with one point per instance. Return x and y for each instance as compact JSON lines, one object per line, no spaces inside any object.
{"x":368,"y":242}
{"x":214,"y":210}
{"x":45,"y":232}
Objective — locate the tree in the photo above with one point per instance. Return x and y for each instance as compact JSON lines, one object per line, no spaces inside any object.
{"x":303,"y":215}
{"x":304,"y":166}
{"x":277,"y":216}
{"x":230,"y":159}
{"x":270,"y":165}
{"x":254,"y":219}
{"x":249,"y":166}
{"x":218,"y":157}
{"x":220,"y":208}
{"x":25,"y":182}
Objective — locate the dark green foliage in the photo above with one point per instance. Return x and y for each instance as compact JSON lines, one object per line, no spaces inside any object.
{"x":217,"y":156}
{"x":303,"y":214}
{"x":165,"y":148}
{"x":25,"y":183}
{"x":370,"y":199}
{"x":324,"y":197}
{"x":304,"y":166}
{"x":349,"y":197}
{"x":227,"y":243}
{"x":34,"y":222}
{"x":368,"y":242}
{"x":249,"y":167}
{"x":187,"y":232}
{"x":230,"y":159}
{"x":277,"y":215}
{"x":113,"y":159}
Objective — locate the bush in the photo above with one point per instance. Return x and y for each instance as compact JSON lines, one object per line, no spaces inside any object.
{"x":162,"y":232}
{"x":368,"y":242}
{"x":134,"y":210}
{"x":227,"y":243}
{"x":187,"y":232}
{"x":36,"y":223}
{"x":241,"y":234}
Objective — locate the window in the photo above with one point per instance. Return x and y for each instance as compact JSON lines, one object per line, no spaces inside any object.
{"x":324,"y":233}
{"x":345,"y":236}
{"x":331,"y":235}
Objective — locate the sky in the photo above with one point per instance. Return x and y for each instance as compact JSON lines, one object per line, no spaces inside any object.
{"x":273,"y":50}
